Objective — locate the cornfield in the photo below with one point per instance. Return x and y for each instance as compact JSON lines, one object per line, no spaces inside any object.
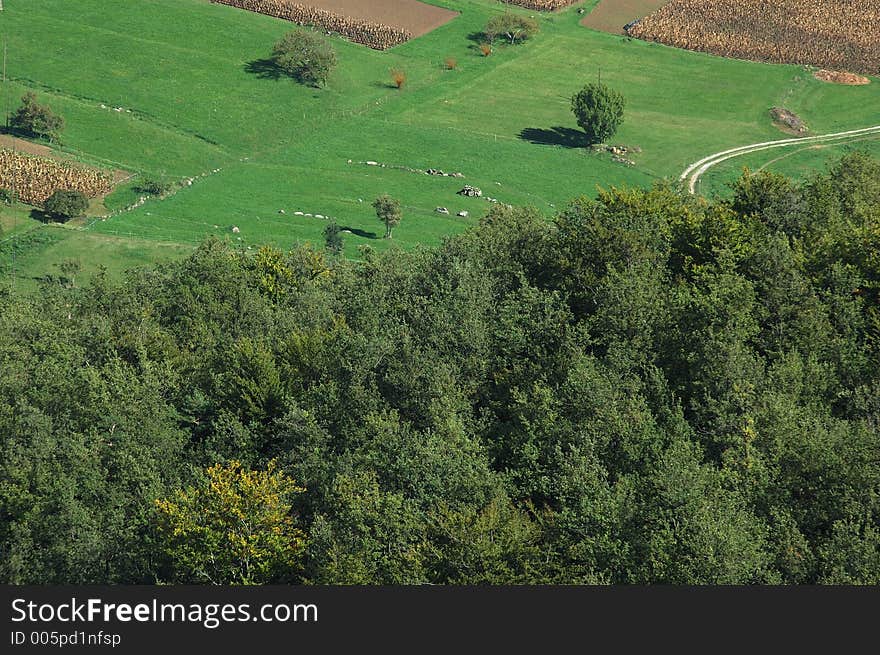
{"x":36,"y":178}
{"x":541,"y":5}
{"x":837,"y":34}
{"x":372,"y":35}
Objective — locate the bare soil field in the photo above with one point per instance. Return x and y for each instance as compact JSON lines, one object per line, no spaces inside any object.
{"x":9,"y":142}
{"x":837,"y":34}
{"x":411,"y":15}
{"x":611,"y":15}
{"x":378,"y":24}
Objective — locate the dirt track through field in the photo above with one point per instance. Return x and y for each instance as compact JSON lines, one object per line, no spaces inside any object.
{"x":411,"y":15}
{"x":612,"y":15}
{"x":695,"y":171}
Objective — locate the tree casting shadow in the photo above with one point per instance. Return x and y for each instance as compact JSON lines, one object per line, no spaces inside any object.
{"x":567,"y":137}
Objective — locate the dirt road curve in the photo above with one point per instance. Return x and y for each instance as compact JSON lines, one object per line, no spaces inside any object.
{"x":695,"y":171}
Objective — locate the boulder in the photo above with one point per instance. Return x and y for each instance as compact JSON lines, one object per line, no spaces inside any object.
{"x":470,"y":191}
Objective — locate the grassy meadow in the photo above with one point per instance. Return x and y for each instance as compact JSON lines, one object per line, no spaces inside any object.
{"x":180,"y":89}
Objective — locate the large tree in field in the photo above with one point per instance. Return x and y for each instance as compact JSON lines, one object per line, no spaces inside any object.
{"x":306,"y":56}
{"x":599,"y":111}
{"x":388,"y":211}
{"x":63,"y":205}
{"x":513,"y":27}
{"x":35,"y":119}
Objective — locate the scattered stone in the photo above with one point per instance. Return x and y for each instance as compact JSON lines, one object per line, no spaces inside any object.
{"x":235,"y":229}
{"x":459,"y":175}
{"x":319,"y":216}
{"x":371,"y":163}
{"x":463,"y":214}
{"x":281,"y":211}
{"x":470,"y":191}
{"x":441,"y":210}
{"x":297,"y":213}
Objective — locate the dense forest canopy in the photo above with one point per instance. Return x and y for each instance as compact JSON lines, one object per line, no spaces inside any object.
{"x":649,"y":388}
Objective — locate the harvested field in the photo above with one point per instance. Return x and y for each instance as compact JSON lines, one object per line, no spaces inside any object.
{"x":379,"y":24}
{"x":36,"y":178}
{"x":611,"y":15}
{"x":837,"y":34}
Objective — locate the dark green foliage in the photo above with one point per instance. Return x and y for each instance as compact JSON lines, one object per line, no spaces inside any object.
{"x":64,"y":205}
{"x":599,"y":111}
{"x":333,"y":239}
{"x":513,"y":27}
{"x":153,"y":186}
{"x":649,"y":388}
{"x":34,"y":119}
{"x":305,"y":56}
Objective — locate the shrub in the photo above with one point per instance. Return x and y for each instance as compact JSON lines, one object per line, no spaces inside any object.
{"x":398,"y":77}
{"x":35,"y":119}
{"x":64,"y":205}
{"x":599,"y":111}
{"x":450,"y":63}
{"x":486,"y":49}
{"x":153,"y":186}
{"x":305,"y":56}
{"x":514,"y":28}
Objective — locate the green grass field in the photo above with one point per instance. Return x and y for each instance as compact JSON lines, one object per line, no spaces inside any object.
{"x":192,"y":102}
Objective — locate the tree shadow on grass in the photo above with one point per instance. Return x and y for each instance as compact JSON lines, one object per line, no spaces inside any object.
{"x":265,"y":69}
{"x":565,"y":137}
{"x":358,"y":232}
{"x":43,"y":217}
{"x":383,"y":85}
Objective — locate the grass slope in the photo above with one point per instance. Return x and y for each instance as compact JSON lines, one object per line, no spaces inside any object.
{"x":199,"y":99}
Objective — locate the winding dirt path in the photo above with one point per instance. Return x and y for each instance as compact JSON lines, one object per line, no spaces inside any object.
{"x":695,"y":171}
